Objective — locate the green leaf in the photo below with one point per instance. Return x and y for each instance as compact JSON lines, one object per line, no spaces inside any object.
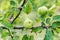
{"x":58,"y":2}
{"x":2,"y":14}
{"x":19,"y":1}
{"x":16,"y":37}
{"x":1,"y":30}
{"x":7,"y":24}
{"x":25,"y":37}
{"x":58,"y":30}
{"x":56,"y":17}
{"x":31,"y":37}
{"x":5,"y":34}
{"x":38,"y":29}
{"x":56,"y":24}
{"x":48,"y":35}
{"x":48,"y":20}
{"x":12,"y":2}
{"x":28,"y":7}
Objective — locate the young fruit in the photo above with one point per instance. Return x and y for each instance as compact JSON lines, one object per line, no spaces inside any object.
{"x":28,"y":23}
{"x":42,"y":10}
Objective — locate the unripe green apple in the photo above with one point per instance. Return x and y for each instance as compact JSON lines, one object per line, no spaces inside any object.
{"x":42,"y":10}
{"x":28,"y":23}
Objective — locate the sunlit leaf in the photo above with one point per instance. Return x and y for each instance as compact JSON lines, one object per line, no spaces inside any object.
{"x":12,"y":2}
{"x":5,"y":34}
{"x":1,"y":30}
{"x":7,"y":24}
{"x":28,"y":7}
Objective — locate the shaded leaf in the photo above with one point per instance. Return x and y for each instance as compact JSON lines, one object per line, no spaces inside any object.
{"x":56,"y":17}
{"x":12,"y":2}
{"x":56,"y":24}
{"x":48,"y":20}
{"x":31,"y":37}
{"x":1,"y":30}
{"x":28,"y":7}
{"x":48,"y":35}
{"x":25,"y":37}
{"x":38,"y":29}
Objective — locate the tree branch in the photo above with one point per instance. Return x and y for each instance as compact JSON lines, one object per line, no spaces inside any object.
{"x":22,"y":27}
{"x":10,"y":33}
{"x":20,"y":8}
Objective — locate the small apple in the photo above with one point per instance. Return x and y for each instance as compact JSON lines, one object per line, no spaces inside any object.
{"x":42,"y":10}
{"x":28,"y":23}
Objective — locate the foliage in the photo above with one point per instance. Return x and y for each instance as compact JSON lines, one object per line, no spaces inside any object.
{"x":31,"y":18}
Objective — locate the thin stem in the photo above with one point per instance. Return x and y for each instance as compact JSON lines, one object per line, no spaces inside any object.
{"x":10,"y":34}
{"x":20,"y":8}
{"x":22,"y":27}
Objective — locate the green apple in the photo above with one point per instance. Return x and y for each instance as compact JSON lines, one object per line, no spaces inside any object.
{"x":43,"y":10}
{"x":28,"y":23}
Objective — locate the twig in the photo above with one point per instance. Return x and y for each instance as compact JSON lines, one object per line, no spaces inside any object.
{"x":22,"y":27}
{"x":20,"y":8}
{"x":10,"y":33}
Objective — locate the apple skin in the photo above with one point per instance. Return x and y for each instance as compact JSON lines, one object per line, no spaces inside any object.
{"x":28,"y":23}
{"x":42,"y":10}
